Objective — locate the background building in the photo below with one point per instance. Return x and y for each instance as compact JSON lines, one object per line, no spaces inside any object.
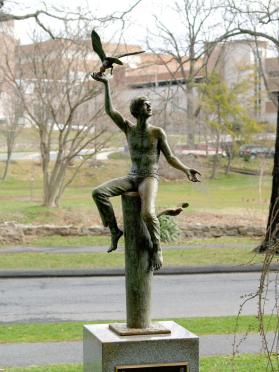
{"x":54,"y":67}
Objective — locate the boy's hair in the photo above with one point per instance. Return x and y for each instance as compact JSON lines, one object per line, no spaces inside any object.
{"x":135,"y":105}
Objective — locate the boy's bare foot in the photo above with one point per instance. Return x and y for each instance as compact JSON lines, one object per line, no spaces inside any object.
{"x":114,"y":240}
{"x":157,"y":260}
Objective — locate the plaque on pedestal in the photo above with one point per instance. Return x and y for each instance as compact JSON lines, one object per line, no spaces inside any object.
{"x":166,"y":367}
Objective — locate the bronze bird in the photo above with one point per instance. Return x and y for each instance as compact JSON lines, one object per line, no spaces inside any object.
{"x":107,"y":62}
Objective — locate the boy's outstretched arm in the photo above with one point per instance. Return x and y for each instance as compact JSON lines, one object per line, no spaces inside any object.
{"x":192,"y":174}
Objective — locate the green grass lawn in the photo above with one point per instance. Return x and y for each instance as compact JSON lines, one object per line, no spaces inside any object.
{"x":72,"y":331}
{"x":226,"y":194}
{"x":104,"y":240}
{"x":240,"y":363}
{"x":69,"y":241}
{"x":174,"y":257}
{"x":224,"y":250}
{"x":51,"y":368}
{"x":21,"y":194}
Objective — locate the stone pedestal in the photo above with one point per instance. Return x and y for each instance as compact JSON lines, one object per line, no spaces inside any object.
{"x":106,"y":351}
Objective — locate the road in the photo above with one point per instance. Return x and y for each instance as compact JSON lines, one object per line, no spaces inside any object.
{"x":102,"y":298}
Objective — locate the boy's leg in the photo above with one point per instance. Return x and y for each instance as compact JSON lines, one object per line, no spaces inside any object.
{"x":148,"y":192}
{"x":101,"y":195}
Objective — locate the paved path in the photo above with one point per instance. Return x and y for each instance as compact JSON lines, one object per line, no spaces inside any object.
{"x":35,"y":156}
{"x":20,"y":355}
{"x":29,"y":249}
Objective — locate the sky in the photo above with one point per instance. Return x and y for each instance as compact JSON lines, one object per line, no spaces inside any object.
{"x":138,"y":21}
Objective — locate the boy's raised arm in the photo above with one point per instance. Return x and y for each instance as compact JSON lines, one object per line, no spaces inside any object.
{"x":110,"y":110}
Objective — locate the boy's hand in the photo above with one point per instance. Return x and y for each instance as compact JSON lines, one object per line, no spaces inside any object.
{"x":99,"y":77}
{"x":192,"y":175}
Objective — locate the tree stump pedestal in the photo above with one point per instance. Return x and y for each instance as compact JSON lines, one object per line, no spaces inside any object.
{"x":138,"y":275}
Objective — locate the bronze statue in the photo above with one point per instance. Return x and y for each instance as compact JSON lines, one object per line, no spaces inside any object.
{"x":145,"y":142}
{"x":107,"y":62}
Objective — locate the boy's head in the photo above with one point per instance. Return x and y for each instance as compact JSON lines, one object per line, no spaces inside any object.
{"x":138,"y":104}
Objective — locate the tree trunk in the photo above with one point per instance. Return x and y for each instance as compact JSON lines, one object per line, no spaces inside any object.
{"x":54,"y":188}
{"x":228,"y":166}
{"x":52,"y":195}
{"x":205,"y":136}
{"x":229,"y":156}
{"x":7,"y":165}
{"x":272,"y":234}
{"x":190,"y":116}
{"x":50,"y":201}
{"x":215,"y":159}
{"x":10,"y":147}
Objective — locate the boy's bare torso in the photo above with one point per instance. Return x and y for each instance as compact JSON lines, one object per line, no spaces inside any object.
{"x":144,"y":147}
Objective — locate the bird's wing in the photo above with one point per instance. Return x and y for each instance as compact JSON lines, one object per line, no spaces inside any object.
{"x":97,"y":45}
{"x":130,"y":54}
{"x":112,"y":60}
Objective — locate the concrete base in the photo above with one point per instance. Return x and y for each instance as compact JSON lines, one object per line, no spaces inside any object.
{"x":105,"y":351}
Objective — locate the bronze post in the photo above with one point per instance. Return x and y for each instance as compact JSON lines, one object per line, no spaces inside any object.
{"x":138,"y":276}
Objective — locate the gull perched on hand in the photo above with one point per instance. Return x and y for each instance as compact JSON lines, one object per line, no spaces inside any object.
{"x":107,"y":62}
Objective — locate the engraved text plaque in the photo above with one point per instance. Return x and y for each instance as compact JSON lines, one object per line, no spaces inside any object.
{"x":165,"y":367}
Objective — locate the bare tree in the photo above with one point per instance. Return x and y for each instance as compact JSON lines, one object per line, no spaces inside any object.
{"x":10,"y":129}
{"x":52,"y":81}
{"x":8,"y":13}
{"x":56,"y":93}
{"x":9,"y":108}
{"x":260,"y":21}
{"x":181,"y":54}
{"x":43,"y":17}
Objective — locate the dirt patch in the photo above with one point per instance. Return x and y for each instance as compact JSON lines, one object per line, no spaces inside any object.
{"x":221,"y":219}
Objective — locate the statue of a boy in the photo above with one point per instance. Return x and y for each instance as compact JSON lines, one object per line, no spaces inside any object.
{"x":145,"y":142}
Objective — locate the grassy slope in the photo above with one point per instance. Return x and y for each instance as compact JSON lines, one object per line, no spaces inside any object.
{"x":20,"y":195}
{"x":187,"y":257}
{"x":241,"y":363}
{"x":104,"y":240}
